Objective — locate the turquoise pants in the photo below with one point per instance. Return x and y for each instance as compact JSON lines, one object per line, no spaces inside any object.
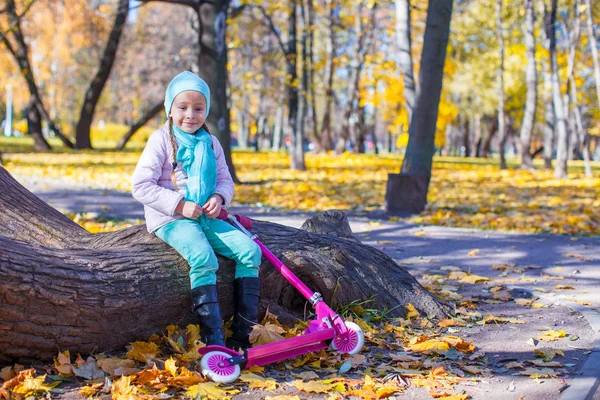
{"x":199,"y":246}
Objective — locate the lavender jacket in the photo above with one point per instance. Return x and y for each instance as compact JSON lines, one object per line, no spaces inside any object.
{"x":152,"y":186}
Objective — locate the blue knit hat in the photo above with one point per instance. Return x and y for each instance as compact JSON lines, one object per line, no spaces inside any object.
{"x":183,"y":82}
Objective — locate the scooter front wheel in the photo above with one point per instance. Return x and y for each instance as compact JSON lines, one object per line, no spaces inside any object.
{"x":215,"y":366}
{"x":351,"y":343}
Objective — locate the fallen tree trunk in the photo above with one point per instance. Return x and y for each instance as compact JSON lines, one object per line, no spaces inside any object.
{"x":64,"y":288}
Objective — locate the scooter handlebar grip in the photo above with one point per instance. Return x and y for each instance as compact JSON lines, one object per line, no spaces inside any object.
{"x":244,"y":221}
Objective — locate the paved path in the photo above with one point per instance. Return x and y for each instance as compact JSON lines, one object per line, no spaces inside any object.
{"x":430,"y":250}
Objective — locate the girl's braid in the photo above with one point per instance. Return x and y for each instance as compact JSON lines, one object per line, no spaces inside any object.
{"x":174,"y":162}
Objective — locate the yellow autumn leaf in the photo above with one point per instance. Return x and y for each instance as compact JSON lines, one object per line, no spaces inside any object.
{"x":263,"y":334}
{"x":111,"y":364}
{"x":411,"y":312}
{"x":318,"y":386}
{"x":143,"y":351}
{"x":434,"y":345}
{"x":89,"y":391}
{"x":473,"y":253}
{"x":187,"y":378}
{"x":474,"y":279}
{"x":122,"y":389}
{"x":548,"y":353}
{"x":455,"y":397}
{"x":34,"y":385}
{"x":582,"y":302}
{"x":564,"y":287}
{"x":258,"y":382}
{"x":488,"y":319}
{"x":210,"y":390}
{"x":550,"y":336}
{"x":455,"y":275}
{"x":171,"y":366}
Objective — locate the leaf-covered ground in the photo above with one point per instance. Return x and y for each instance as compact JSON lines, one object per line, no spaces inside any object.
{"x":415,"y":355}
{"x":468,"y":193}
{"x":495,"y":344}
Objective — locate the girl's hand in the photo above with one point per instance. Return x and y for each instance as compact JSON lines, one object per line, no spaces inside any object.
{"x":189,"y":209}
{"x":213,"y":206}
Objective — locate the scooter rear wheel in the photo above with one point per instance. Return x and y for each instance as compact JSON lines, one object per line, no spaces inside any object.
{"x":352,"y":343}
{"x":216,"y":368}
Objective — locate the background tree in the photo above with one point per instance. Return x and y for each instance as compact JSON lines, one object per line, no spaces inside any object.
{"x":82,"y":131}
{"x":408,"y":191}
{"x":531,"y":79}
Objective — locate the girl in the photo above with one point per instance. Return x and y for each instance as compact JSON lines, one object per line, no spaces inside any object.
{"x":183,"y":181}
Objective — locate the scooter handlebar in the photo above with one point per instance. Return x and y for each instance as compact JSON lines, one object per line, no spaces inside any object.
{"x":244,"y":221}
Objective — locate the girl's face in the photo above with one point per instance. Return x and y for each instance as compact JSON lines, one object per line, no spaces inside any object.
{"x":189,"y":111}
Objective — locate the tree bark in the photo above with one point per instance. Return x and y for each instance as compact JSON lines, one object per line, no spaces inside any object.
{"x":466,"y":133}
{"x":562,"y":139}
{"x":501,"y":113}
{"x":326,"y":129}
{"x":135,"y":127}
{"x":403,"y":31}
{"x":82,"y":131}
{"x":531,"y":97}
{"x":297,"y":137}
{"x":62,"y":288}
{"x":416,"y":167}
{"x":593,"y":46}
{"x":34,"y":127}
{"x":419,"y":153}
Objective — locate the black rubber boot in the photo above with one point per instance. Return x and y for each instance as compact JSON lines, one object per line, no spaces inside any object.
{"x":205,"y":303}
{"x":246,"y":294}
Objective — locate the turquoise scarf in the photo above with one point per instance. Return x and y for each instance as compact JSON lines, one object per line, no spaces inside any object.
{"x":199,"y":163}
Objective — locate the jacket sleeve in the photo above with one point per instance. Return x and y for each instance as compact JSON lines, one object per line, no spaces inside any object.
{"x":145,"y":188}
{"x":224,"y":182}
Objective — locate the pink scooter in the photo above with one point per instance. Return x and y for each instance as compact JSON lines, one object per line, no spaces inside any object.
{"x":222,"y":364}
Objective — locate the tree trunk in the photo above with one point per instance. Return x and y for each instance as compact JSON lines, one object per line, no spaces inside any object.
{"x":311,"y":90}
{"x":297,"y":138}
{"x":562,"y":145}
{"x":278,"y":129}
{"x":593,"y":46}
{"x":549,"y":124}
{"x":213,"y":68}
{"x":501,"y":116}
{"x":416,"y":167}
{"x":492,"y":126}
{"x":466,"y":133}
{"x":21,"y":55}
{"x":403,"y":31}
{"x":531,"y":97}
{"x":326,"y":129}
{"x":34,"y":127}
{"x":62,"y":288}
{"x":135,"y":127}
{"x":82,"y":131}
{"x":476,"y":151}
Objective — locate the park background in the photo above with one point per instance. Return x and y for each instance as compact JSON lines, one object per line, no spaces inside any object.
{"x":317,"y":103}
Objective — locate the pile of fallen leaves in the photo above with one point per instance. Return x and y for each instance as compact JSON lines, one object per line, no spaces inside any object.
{"x":415,"y":350}
{"x":463,"y":192}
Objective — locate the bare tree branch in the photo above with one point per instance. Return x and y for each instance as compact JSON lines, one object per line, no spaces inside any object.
{"x":273,"y":29}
